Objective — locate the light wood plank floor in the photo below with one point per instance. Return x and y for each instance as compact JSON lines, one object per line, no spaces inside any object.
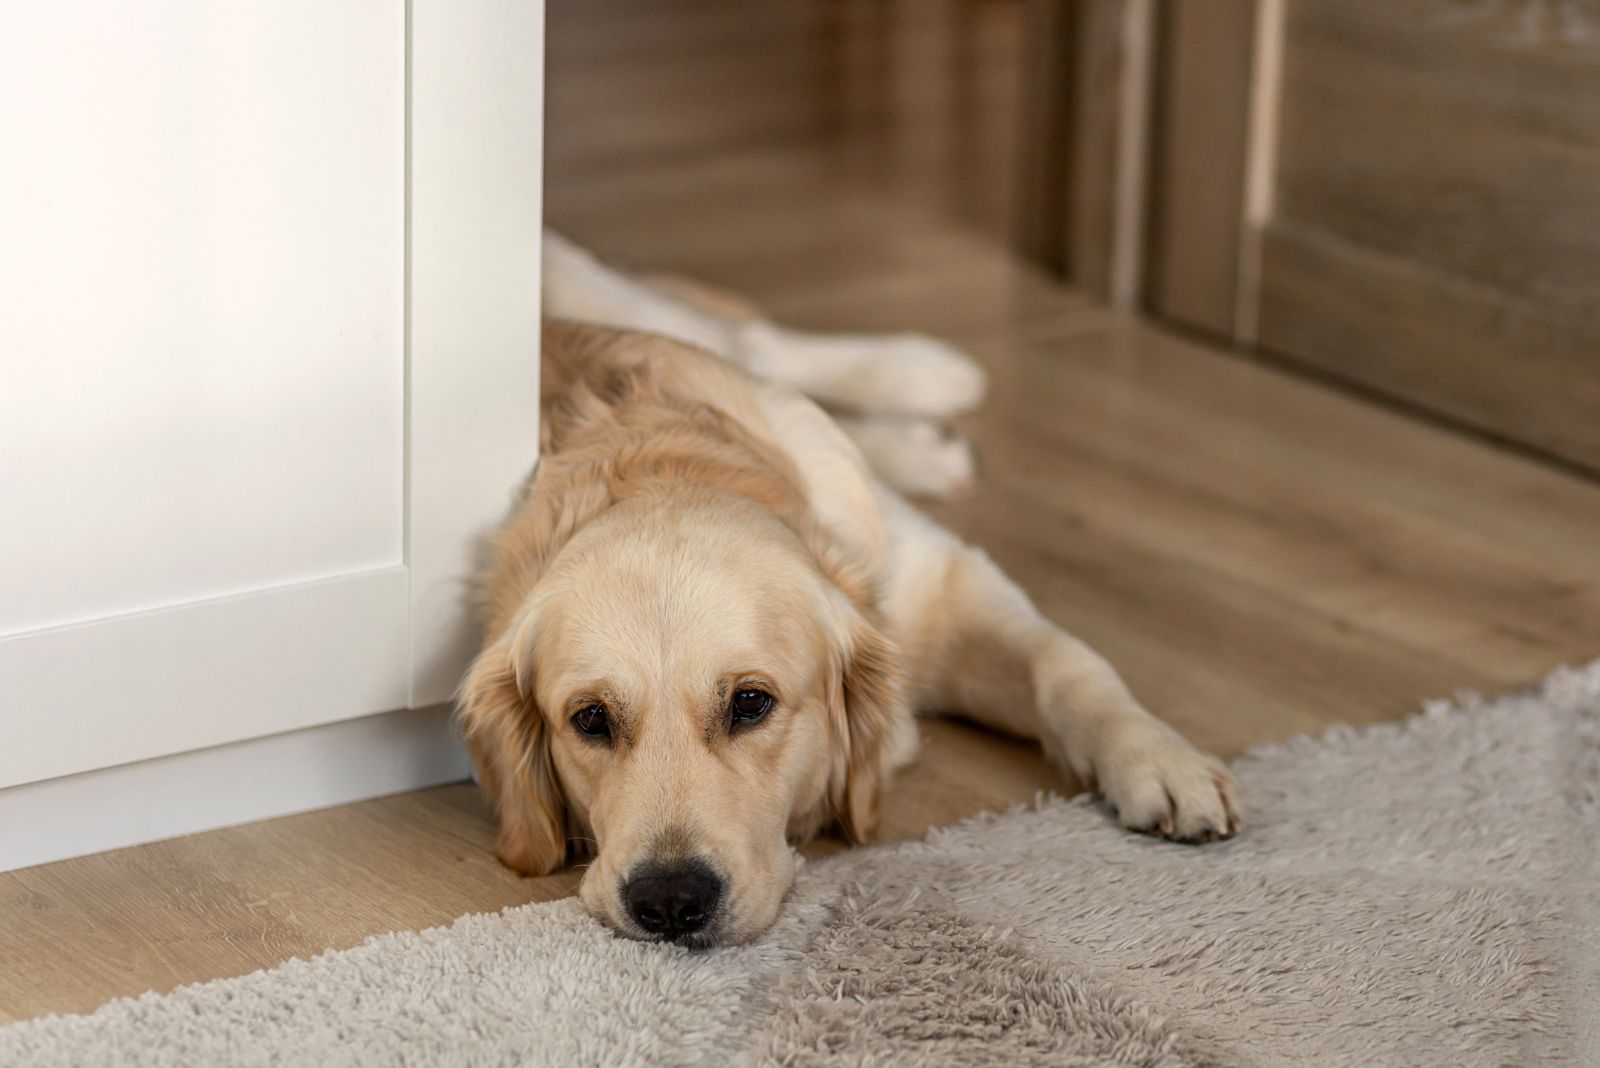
{"x":1261,"y":555}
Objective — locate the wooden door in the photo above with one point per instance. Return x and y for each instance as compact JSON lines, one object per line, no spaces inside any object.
{"x":268,"y":368}
{"x":1401,"y":194}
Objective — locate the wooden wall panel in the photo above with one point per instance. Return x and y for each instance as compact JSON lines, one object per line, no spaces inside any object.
{"x":1467,"y":350}
{"x":1436,"y":227}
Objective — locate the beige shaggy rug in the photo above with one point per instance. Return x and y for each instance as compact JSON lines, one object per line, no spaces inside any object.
{"x":1422,"y":893}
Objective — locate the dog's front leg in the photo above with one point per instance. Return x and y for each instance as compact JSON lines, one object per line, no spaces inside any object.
{"x":979,"y":648}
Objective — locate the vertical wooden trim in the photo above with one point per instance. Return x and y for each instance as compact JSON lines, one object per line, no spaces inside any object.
{"x":475,"y":86}
{"x":1105,"y":134}
{"x":1045,"y":187}
{"x":1085,"y":139}
{"x":1203,"y":86}
{"x":1133,"y":152}
{"x":1261,"y":162}
{"x":1093,"y":115}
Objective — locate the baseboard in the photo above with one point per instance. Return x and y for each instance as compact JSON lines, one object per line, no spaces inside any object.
{"x":225,"y":785}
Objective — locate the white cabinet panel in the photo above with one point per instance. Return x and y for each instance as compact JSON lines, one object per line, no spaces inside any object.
{"x":165,"y":682}
{"x":250,"y":780}
{"x":476,"y":165}
{"x":202,"y":254}
{"x":269,"y":352}
{"x":269,"y":328}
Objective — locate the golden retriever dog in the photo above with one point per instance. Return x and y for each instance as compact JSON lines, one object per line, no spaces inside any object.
{"x":709,"y":623}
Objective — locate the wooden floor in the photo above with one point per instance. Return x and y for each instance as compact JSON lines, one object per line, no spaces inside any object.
{"x":1261,"y":555}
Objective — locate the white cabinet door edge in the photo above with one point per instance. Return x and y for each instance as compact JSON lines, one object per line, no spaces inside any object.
{"x":477,"y":81}
{"x":166,"y":705}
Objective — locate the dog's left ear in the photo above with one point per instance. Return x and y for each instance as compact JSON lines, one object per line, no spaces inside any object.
{"x":868,"y":712}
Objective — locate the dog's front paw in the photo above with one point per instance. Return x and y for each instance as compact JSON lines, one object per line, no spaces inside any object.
{"x":1160,"y":784}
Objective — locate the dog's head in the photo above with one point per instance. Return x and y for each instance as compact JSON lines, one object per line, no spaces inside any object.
{"x":685,"y":687}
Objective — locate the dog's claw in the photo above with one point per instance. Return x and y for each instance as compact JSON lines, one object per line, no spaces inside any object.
{"x":1160,"y":785}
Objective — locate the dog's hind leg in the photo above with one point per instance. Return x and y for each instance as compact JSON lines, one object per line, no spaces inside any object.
{"x":909,"y":374}
{"x":978,"y":647}
{"x":906,"y":373}
{"x":577,"y":286}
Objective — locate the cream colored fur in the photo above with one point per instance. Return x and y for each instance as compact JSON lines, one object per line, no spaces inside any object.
{"x":692,"y":531}
{"x":887,"y":393}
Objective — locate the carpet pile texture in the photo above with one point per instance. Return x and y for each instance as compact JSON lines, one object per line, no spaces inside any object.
{"x":1420,"y":893}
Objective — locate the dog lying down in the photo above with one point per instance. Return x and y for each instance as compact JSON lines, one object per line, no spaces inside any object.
{"x":709,"y":619}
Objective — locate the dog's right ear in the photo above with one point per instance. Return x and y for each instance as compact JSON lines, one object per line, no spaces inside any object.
{"x":510,"y":745}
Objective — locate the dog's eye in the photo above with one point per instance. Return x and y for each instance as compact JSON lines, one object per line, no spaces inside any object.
{"x":591,"y":722}
{"x":750,"y":706}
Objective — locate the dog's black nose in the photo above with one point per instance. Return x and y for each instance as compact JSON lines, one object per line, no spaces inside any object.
{"x":673,"y":901}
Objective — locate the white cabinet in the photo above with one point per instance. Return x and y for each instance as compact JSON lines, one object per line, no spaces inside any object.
{"x":268,"y":370}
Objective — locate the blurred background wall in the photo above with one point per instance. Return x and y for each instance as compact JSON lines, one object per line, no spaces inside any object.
{"x":1401,"y":196}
